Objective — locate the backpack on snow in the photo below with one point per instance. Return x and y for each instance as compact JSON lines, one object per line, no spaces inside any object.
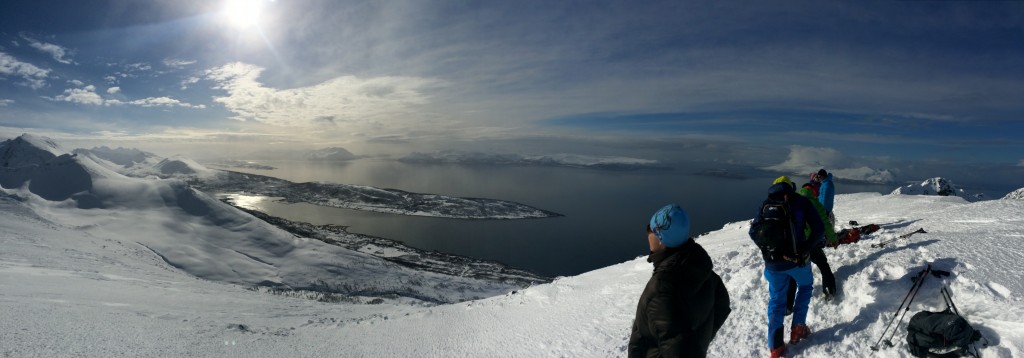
{"x":775,"y":235}
{"x":941,"y":331}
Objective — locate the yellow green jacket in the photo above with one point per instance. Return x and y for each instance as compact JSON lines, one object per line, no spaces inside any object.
{"x":830,"y":232}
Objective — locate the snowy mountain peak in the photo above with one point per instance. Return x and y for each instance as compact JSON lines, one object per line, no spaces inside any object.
{"x":1016,"y":194}
{"x":936,"y":186}
{"x":27,"y":150}
{"x":179,"y":165}
{"x":332,"y":153}
{"x":121,"y":156}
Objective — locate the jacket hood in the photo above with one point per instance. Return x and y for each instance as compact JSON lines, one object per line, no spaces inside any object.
{"x":780,"y":189}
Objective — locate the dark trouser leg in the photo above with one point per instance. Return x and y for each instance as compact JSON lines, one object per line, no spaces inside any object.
{"x":828,"y":280}
{"x":790,"y":296}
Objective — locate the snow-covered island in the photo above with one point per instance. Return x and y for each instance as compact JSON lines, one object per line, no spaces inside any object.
{"x":95,"y":263}
{"x":367,"y":198}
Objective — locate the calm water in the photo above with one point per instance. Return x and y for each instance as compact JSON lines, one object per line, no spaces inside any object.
{"x":605,"y":211}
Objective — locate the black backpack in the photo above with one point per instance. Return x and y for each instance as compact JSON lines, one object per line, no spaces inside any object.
{"x":942,"y":331}
{"x":775,"y":235}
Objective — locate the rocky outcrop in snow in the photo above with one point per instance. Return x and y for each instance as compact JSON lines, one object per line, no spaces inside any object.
{"x":1016,"y":194}
{"x":937,"y":186}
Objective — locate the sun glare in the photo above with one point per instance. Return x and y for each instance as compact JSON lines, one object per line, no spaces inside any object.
{"x":242,"y":13}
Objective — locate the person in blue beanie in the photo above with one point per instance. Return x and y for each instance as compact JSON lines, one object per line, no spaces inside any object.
{"x":778,"y":231}
{"x":685,"y":302}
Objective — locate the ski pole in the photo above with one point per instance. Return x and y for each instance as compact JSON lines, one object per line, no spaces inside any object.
{"x":908,"y":234}
{"x":916,"y":284}
{"x":927,"y":270}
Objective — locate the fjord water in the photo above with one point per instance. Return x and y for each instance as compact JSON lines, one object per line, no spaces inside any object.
{"x":605,"y":211}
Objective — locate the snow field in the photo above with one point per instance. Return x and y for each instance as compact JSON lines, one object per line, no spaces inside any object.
{"x":73,"y":284}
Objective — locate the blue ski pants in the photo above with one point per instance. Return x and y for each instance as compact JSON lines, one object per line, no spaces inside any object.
{"x":778,"y":283}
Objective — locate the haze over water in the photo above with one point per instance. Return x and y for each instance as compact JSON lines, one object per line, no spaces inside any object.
{"x":605,"y":211}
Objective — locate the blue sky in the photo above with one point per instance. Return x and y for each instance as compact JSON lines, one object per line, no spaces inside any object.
{"x":929,"y":81}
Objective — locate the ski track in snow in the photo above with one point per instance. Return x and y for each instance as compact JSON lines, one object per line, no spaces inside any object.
{"x":72,"y":292}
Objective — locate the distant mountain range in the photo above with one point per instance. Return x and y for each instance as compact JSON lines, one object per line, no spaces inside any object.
{"x":562,"y":160}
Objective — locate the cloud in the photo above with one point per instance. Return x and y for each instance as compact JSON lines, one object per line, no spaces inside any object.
{"x":177,"y":63}
{"x":110,"y":79}
{"x":33,"y":76}
{"x":6,"y":102}
{"x":344,"y":100}
{"x":85,"y":95}
{"x":163,"y":102}
{"x":189,"y":81}
{"x":88,"y":95}
{"x":1021,"y":163}
{"x":805,"y":160}
{"x":56,"y":51}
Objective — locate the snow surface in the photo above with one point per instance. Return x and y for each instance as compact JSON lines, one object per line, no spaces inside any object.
{"x":77,"y":282}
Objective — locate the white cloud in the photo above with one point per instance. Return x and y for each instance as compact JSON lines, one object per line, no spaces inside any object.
{"x":6,"y":102}
{"x":340,"y":100}
{"x":802,"y":161}
{"x":77,"y":83}
{"x":56,"y":51}
{"x":189,"y":81}
{"x":88,"y":95}
{"x":177,"y":63}
{"x":141,"y":66}
{"x":34,"y":76}
{"x":85,"y":95}
{"x":163,"y":102}
{"x":110,"y":79}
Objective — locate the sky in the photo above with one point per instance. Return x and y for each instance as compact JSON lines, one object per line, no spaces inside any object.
{"x":740,"y":82}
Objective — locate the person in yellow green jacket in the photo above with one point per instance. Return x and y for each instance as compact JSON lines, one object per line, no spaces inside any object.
{"x":828,"y":279}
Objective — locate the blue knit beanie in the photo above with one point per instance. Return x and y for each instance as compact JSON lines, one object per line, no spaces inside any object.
{"x":671,"y":225}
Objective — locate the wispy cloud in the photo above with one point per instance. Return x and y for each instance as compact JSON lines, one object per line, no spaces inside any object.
{"x":1021,"y":163}
{"x":33,"y":76}
{"x":87,"y":95}
{"x":178,"y":63}
{"x":59,"y":53}
{"x":185,"y":84}
{"x":337,"y":101}
{"x":6,"y":102}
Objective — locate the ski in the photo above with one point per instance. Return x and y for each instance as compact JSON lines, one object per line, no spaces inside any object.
{"x":904,"y":236}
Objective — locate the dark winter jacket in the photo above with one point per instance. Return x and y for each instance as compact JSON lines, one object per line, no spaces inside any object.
{"x":682,"y":307}
{"x":827,"y":193}
{"x":803,"y":214}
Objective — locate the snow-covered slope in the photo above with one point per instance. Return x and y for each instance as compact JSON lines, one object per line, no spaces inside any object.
{"x":87,"y":290}
{"x":937,"y":186}
{"x":206,"y":238}
{"x":140,"y":164}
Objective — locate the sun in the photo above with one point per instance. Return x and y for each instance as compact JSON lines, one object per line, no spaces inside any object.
{"x":242,"y":13}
